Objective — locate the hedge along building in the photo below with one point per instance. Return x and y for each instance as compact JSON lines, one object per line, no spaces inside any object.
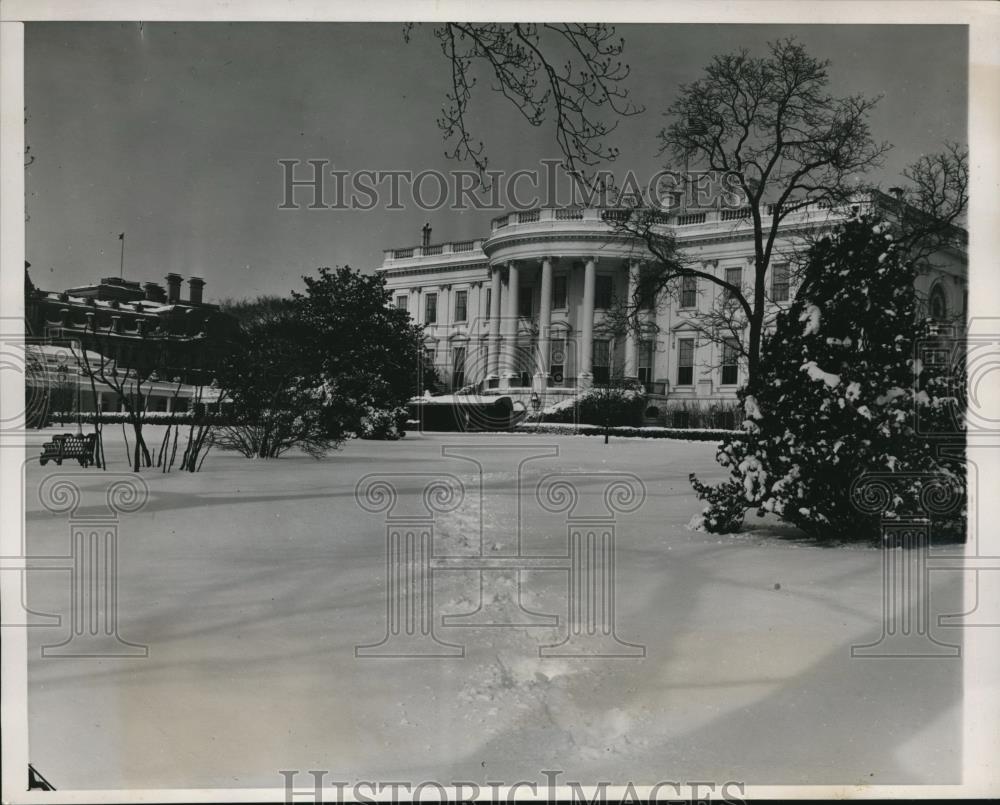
{"x":529,"y":309}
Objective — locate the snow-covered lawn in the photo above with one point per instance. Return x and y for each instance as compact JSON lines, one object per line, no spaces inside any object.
{"x":252,"y":582}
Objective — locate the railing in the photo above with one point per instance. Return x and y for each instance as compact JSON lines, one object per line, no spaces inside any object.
{"x":735,"y":215}
{"x":611,"y":216}
{"x":616,"y":215}
{"x":431,"y":250}
{"x":691,"y":218}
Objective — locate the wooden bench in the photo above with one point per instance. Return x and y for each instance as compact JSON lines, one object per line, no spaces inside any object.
{"x":69,"y":446}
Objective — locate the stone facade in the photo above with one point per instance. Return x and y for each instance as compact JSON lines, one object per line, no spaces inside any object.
{"x":530,"y":306}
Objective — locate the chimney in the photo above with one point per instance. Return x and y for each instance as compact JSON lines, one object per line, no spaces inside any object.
{"x":173,"y":288}
{"x":154,"y":292}
{"x":195,"y":286}
{"x":426,"y":231}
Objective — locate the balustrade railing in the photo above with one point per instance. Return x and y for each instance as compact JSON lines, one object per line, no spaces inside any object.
{"x":616,"y":215}
{"x":691,"y":218}
{"x":735,"y":215}
{"x":607,"y":216}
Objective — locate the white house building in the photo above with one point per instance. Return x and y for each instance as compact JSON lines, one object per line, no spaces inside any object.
{"x":526,"y":309}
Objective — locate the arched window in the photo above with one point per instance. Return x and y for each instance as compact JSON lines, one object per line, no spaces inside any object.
{"x":938,"y":306}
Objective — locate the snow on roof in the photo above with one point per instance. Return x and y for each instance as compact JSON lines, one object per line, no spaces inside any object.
{"x":52,"y":353}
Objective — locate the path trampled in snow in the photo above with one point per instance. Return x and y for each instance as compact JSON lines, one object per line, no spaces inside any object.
{"x":252,"y":583}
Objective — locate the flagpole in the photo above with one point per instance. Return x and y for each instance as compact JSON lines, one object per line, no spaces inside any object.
{"x":121,"y":265}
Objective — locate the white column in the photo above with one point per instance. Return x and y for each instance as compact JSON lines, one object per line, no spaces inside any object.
{"x":474,"y":369}
{"x":444,"y":308}
{"x":473,"y":307}
{"x":631,"y":370}
{"x":494,"y":341}
{"x":484,"y":306}
{"x":544,"y":326}
{"x":585,"y":374}
{"x":414,"y":306}
{"x":508,"y":360}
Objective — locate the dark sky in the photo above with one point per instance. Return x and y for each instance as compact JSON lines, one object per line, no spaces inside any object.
{"x":173,"y":132}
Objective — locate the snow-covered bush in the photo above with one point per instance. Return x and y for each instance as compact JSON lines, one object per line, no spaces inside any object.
{"x":726,"y":508}
{"x":693,"y":414}
{"x":838,"y":395}
{"x":387,"y":424}
{"x":605,"y":405}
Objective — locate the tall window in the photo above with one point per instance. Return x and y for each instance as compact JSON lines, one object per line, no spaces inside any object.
{"x":938,"y":304}
{"x":647,"y":296}
{"x":603,"y":291}
{"x":689,"y":291}
{"x":461,"y":305}
{"x":524,"y":360}
{"x":431,"y":308}
{"x":779,"y":282}
{"x":524,"y":297}
{"x":402,"y":302}
{"x":457,"y":367}
{"x":489,"y":303}
{"x":646,"y":361}
{"x":602,"y":360}
{"x":734,"y":276}
{"x":559,"y":292}
{"x":730,"y":363}
{"x":557,"y":362}
{"x":685,"y":362}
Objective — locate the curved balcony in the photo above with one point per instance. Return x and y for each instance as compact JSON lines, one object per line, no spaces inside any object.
{"x":569,"y":231}
{"x":583,"y":231}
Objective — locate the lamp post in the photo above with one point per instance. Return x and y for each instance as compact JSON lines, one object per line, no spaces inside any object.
{"x":61,"y":376}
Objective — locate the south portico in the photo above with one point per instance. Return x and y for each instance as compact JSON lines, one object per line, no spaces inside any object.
{"x":567,"y":270}
{"x":552,"y":342}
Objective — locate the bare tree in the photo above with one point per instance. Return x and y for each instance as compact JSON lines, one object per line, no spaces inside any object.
{"x":933,"y":202}
{"x":128,"y":370}
{"x":771,"y":134}
{"x":570,"y":74}
{"x":201,"y":430}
